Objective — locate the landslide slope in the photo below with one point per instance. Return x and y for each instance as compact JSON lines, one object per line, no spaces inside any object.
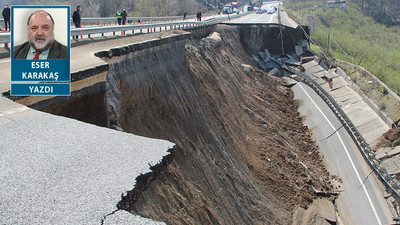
{"x":242,"y":154}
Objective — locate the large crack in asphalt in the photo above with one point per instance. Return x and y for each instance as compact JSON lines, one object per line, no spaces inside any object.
{"x":105,"y":217}
{"x":142,"y":183}
{"x":144,"y":180}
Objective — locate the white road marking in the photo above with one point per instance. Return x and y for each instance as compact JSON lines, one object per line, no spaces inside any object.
{"x":270,"y":18}
{"x":348,"y":156}
{"x":257,"y":18}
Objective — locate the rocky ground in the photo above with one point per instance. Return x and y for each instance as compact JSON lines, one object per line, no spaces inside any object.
{"x":243,"y":155}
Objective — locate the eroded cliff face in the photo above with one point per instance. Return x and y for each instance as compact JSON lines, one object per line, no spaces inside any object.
{"x":242,"y":154}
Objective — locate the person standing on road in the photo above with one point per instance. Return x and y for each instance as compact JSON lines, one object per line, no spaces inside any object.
{"x":199,"y":16}
{"x":6,"y":16}
{"x":184,"y":15}
{"x":123,"y":15}
{"x":119,"y":16}
{"x":76,"y":18}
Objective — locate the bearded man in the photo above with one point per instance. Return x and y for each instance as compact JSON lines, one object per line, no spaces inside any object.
{"x":41,"y":43}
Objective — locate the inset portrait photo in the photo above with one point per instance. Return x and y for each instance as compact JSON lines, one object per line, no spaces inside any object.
{"x":40,"y":33}
{"x":40,"y":50}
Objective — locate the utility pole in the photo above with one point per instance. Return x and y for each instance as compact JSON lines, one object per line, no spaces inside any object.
{"x":281,"y":30}
{"x":329,"y":37}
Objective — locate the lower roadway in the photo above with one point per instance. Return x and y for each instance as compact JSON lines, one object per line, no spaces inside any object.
{"x":361,"y":200}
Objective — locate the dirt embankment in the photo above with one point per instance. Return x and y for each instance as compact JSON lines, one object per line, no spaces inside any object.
{"x":243,"y":155}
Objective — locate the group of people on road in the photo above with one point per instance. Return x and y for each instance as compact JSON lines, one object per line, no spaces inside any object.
{"x":121,"y":16}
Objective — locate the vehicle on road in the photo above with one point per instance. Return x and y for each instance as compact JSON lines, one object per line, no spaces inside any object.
{"x":271,"y":10}
{"x":227,"y":10}
{"x":259,"y":11}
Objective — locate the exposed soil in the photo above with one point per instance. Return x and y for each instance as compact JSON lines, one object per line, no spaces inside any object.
{"x":390,"y":139}
{"x":88,"y":108}
{"x":243,"y":155}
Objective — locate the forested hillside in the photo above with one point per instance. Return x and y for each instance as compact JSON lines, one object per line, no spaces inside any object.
{"x":354,"y":37}
{"x":385,"y":11}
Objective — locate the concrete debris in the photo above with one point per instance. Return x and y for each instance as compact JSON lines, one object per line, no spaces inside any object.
{"x":250,"y":112}
{"x":292,"y":155}
{"x":259,"y":84}
{"x":306,"y":59}
{"x":293,"y":59}
{"x":303,"y":44}
{"x":299,"y":50}
{"x":329,"y":80}
{"x":247,"y":68}
{"x":267,"y":61}
{"x":276,"y":72}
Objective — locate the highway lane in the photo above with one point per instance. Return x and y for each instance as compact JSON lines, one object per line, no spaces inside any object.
{"x":265,"y":18}
{"x":361,"y":200}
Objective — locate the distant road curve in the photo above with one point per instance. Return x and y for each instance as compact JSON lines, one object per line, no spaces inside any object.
{"x":264,"y":18}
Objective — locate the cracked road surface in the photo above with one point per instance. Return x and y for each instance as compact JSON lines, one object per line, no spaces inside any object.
{"x":56,"y":170}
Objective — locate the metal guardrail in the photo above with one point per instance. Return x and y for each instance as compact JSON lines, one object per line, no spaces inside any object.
{"x":361,"y":143}
{"x":104,"y":20}
{"x":5,"y":38}
{"x":129,"y":20}
{"x":108,"y":29}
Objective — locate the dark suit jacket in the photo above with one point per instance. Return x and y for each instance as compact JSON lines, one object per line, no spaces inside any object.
{"x":57,"y":51}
